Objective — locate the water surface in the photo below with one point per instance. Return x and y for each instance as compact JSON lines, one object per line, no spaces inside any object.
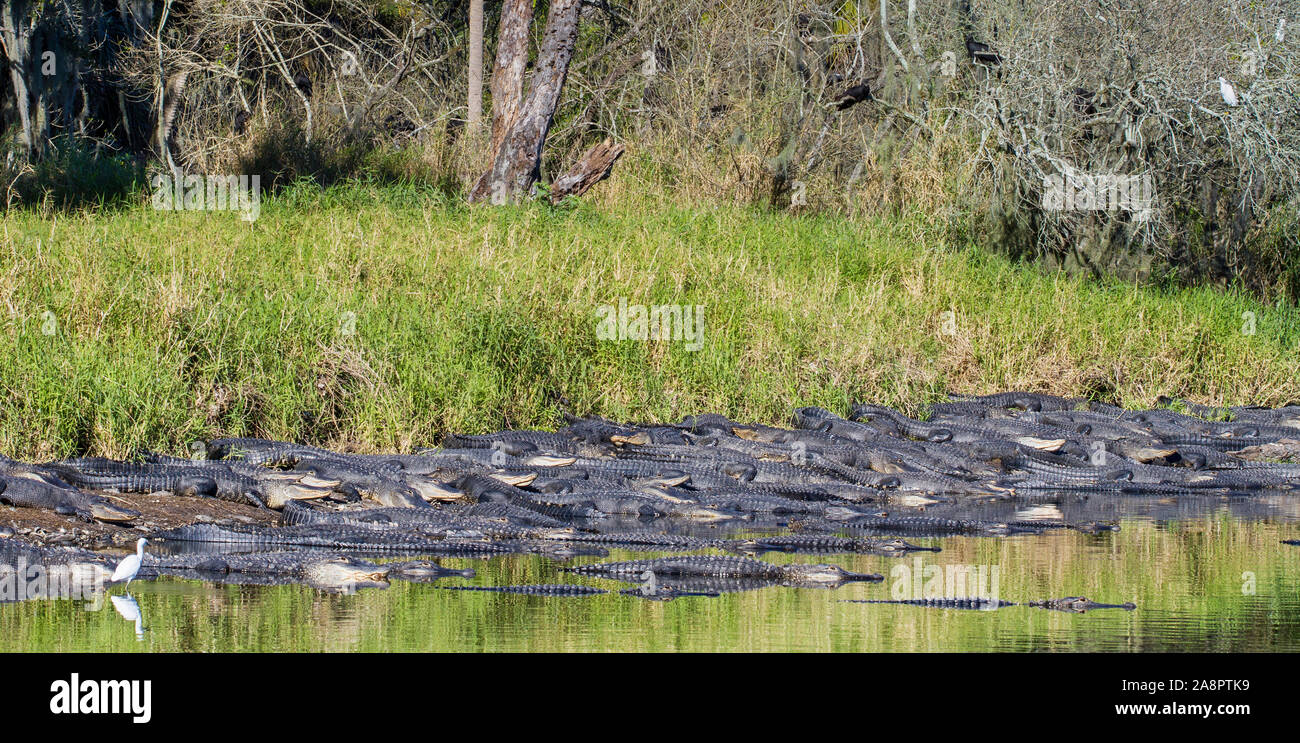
{"x":1206,"y":575}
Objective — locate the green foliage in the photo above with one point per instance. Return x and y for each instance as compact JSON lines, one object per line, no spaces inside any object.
{"x":173,"y":326}
{"x":74,"y":173}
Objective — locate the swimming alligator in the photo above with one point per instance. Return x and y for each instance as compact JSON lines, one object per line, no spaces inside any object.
{"x":329,"y":536}
{"x":1073,"y":604}
{"x":542,"y":589}
{"x":725,"y":567}
{"x":820,"y":544}
{"x":326,"y":572}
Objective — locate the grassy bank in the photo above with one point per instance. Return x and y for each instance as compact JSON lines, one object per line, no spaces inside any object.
{"x":384,"y":318}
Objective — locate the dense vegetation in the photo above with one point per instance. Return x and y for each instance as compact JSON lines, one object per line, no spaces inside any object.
{"x":383,"y":317}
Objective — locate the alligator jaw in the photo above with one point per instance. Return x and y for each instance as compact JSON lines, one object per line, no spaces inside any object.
{"x":434,"y":491}
{"x":347,"y":574}
{"x":518,"y":481}
{"x":550,"y":461}
{"x":110,"y":512}
{"x":1042,"y":444}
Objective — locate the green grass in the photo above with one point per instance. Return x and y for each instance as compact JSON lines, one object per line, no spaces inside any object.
{"x":173,"y":326}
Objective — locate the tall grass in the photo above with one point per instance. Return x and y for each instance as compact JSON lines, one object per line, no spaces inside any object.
{"x":384,"y":317}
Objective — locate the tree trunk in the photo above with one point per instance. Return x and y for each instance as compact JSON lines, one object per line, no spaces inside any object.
{"x":517,"y":161}
{"x":17,"y":46}
{"x":475,"y":64}
{"x":508,"y":73}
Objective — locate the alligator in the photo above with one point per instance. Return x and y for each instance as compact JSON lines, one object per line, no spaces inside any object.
{"x":255,"y":486}
{"x":64,"y":572}
{"x":820,"y":544}
{"x":726,"y":567}
{"x":541,"y":589}
{"x":674,"y":588}
{"x":326,"y":572}
{"x":423,"y":571}
{"x":963,"y":603}
{"x":927,"y":526}
{"x":1073,"y":604}
{"x":643,"y":540}
{"x":29,"y":486}
{"x":328,"y":536}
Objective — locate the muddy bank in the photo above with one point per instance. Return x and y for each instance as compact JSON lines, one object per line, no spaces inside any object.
{"x":157,"y":511}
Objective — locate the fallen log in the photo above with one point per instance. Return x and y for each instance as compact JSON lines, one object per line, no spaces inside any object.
{"x":591,"y":168}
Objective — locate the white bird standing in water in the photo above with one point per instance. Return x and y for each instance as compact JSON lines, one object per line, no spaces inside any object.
{"x":1229,"y":95}
{"x":130,"y":565}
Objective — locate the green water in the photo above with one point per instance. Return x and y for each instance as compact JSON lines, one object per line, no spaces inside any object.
{"x":1211,"y":583}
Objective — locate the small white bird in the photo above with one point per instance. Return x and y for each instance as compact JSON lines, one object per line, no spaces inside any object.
{"x":1229,"y":95}
{"x":1280,"y":34}
{"x":130,"y":565}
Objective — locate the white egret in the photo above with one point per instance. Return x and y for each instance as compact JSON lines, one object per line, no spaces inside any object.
{"x":1229,"y":95}
{"x":1280,"y":34}
{"x":129,"y":566}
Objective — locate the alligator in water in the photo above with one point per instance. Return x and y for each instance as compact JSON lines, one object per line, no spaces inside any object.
{"x":1073,"y":604}
{"x":824,"y":545}
{"x":692,"y":486}
{"x":541,"y":589}
{"x":725,"y":567}
{"x":28,"y":571}
{"x":326,"y":572}
{"x":328,"y":536}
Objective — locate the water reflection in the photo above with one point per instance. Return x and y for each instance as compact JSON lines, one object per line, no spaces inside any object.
{"x":1206,"y":575}
{"x":129,"y":610}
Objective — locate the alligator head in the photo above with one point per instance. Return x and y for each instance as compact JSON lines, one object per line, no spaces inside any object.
{"x":345,"y":574}
{"x":424,"y":570}
{"x":829,"y":576}
{"x":432,"y":490}
{"x":105,"y":511}
{"x":276,"y":489}
{"x":1078,"y":605}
